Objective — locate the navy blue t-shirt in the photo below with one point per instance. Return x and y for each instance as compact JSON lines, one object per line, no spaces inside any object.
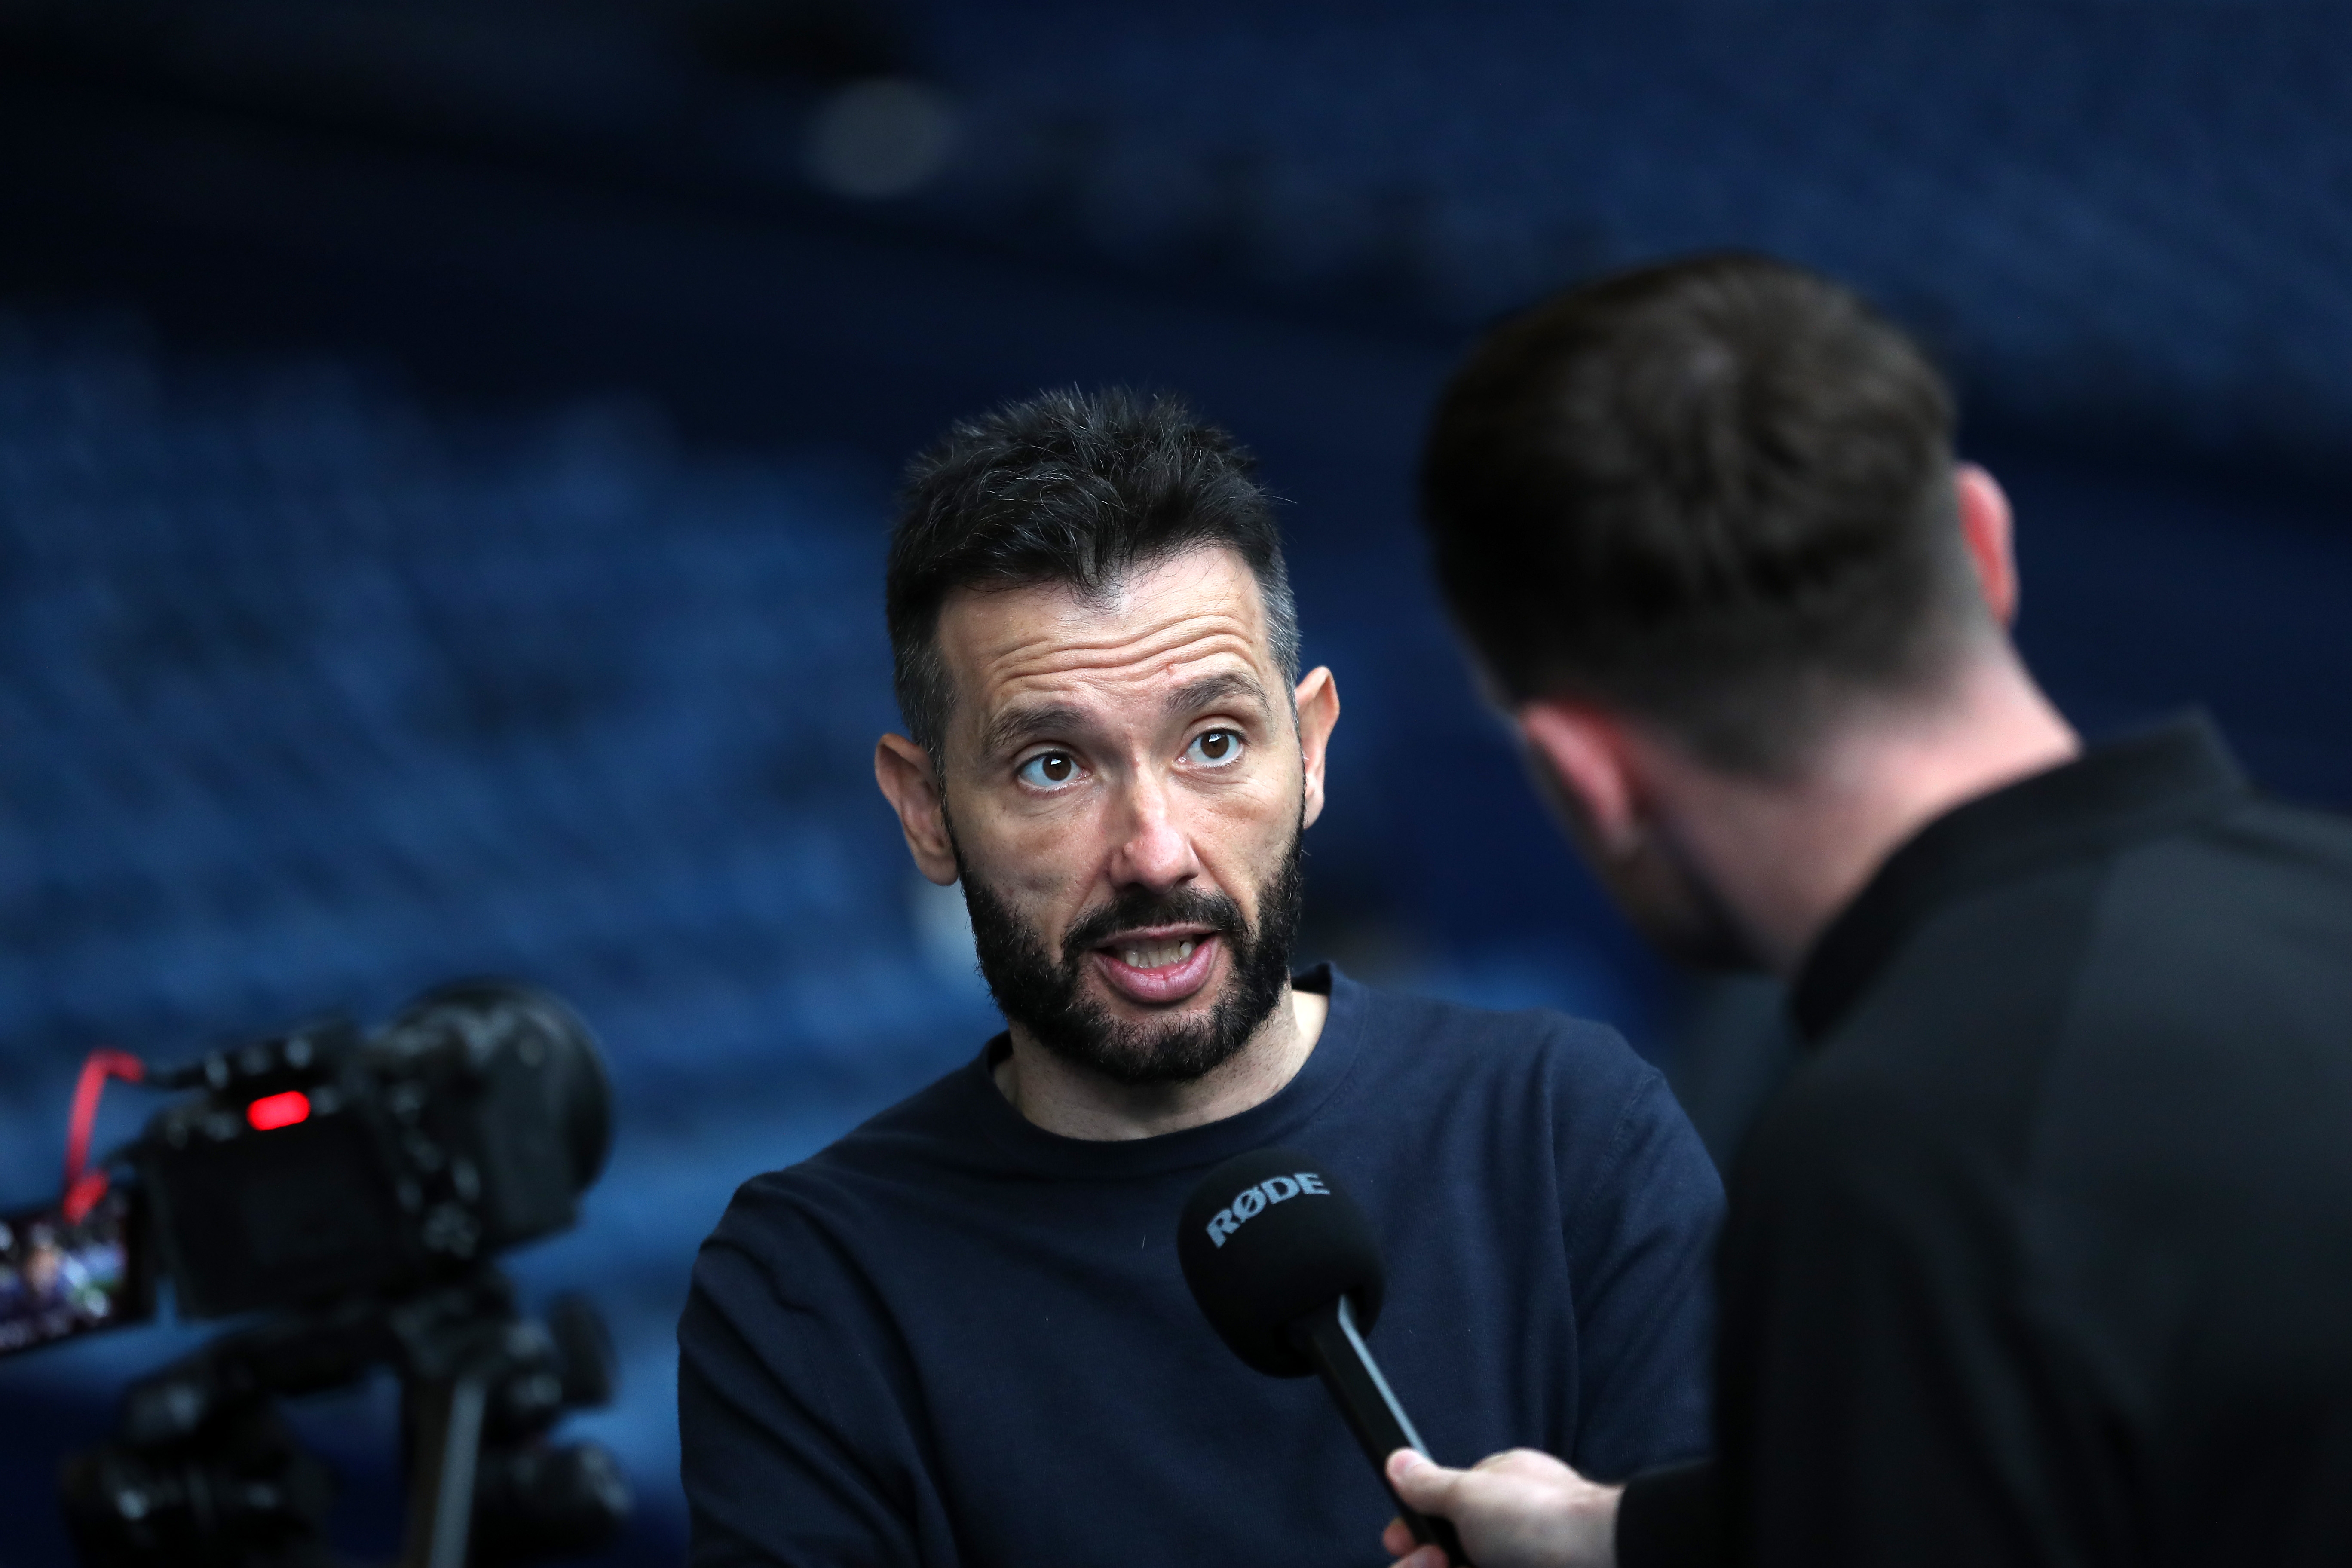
{"x":955,"y":1338}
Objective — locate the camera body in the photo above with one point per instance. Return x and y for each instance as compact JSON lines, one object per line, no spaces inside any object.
{"x":355,"y":1189}
{"x":323,"y":1165}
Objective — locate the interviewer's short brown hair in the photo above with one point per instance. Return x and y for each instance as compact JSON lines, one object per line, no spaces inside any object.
{"x":1716,"y":492}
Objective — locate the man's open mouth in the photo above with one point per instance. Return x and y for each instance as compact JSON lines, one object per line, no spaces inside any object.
{"x":1158,"y":955}
{"x":1157,"y":967}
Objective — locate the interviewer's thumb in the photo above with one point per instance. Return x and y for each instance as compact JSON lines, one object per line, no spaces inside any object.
{"x":1421,"y":1483}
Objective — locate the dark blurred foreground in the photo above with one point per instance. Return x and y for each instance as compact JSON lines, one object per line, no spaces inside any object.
{"x":445,"y":456}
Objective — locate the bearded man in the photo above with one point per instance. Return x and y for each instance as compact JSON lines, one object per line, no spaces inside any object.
{"x":961,"y":1335}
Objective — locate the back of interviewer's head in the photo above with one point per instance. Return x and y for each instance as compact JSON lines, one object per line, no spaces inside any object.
{"x":1716,"y":494}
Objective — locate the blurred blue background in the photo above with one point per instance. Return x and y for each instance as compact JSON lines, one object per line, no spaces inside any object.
{"x":447,"y":451}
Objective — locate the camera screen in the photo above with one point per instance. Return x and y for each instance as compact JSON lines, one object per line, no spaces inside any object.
{"x":62,"y":1278}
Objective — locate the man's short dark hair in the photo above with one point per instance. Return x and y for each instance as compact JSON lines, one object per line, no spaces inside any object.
{"x":1070,"y":488}
{"x":1716,"y":494}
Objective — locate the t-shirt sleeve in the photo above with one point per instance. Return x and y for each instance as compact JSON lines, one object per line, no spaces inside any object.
{"x":793,"y":1450}
{"x":1641,"y":1241}
{"x":1874,"y":1406}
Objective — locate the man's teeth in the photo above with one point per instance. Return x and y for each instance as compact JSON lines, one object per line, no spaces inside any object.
{"x":1160,"y":955}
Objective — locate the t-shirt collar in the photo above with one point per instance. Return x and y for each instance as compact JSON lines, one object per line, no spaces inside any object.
{"x":1272,"y":1120}
{"x":2110,"y":795}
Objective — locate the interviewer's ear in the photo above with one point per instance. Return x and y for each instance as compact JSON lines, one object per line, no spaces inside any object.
{"x":1985,"y":529}
{"x":904,"y":771}
{"x":1583,"y":753}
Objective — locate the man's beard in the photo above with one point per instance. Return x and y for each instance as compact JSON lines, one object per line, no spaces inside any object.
{"x":1045,"y":996}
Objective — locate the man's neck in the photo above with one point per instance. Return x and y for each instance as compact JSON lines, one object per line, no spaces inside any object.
{"x":1063,"y":1097}
{"x":1788,"y":857}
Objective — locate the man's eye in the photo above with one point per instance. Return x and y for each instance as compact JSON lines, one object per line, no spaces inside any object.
{"x":1215,"y":748}
{"x":1048,"y":770}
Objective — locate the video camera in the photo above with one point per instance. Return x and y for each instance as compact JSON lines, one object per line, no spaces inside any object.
{"x":355,"y":1188}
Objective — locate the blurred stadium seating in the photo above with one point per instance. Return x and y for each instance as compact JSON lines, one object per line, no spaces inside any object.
{"x":445,"y":456}
{"x":2112,"y":214}
{"x":2125,"y":217}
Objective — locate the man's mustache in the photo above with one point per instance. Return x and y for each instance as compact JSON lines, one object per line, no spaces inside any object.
{"x":1139,"y":907}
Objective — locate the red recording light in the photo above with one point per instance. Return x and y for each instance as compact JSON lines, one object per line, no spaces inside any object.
{"x":275,"y":1110}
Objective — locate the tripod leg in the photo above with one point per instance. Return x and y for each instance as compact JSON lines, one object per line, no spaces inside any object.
{"x":446,"y":1419}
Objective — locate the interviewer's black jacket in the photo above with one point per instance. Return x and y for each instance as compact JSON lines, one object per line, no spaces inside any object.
{"x":2044,"y":1255}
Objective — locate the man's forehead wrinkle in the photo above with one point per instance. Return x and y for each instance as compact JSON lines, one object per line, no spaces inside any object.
{"x":1101,"y":690}
{"x":1183,"y":640}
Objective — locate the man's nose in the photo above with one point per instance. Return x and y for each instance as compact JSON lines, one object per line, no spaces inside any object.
{"x":1153,"y":849}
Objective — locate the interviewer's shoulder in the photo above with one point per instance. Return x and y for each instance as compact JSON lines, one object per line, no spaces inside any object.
{"x":2288,"y":867}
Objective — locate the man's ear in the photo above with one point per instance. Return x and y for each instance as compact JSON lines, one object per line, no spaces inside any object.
{"x":1584,"y":754}
{"x":1319,"y":709}
{"x":904,"y":771}
{"x":1985,"y":529}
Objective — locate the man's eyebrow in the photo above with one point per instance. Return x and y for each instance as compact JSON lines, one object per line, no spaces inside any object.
{"x":1018,"y":726}
{"x":1030,"y":721}
{"x":1211,"y":689}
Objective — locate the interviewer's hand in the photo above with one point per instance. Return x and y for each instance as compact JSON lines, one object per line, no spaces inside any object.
{"x":1514,"y":1509}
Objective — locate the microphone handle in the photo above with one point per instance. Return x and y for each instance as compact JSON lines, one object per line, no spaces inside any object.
{"x":1345,"y":1363}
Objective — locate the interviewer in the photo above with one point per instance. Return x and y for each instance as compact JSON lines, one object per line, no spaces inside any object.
{"x":2044,"y":1255}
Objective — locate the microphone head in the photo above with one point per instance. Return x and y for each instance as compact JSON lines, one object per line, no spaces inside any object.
{"x":1268,"y":1238}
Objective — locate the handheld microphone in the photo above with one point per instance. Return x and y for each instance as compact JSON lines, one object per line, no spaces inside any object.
{"x":1285,"y":1268}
